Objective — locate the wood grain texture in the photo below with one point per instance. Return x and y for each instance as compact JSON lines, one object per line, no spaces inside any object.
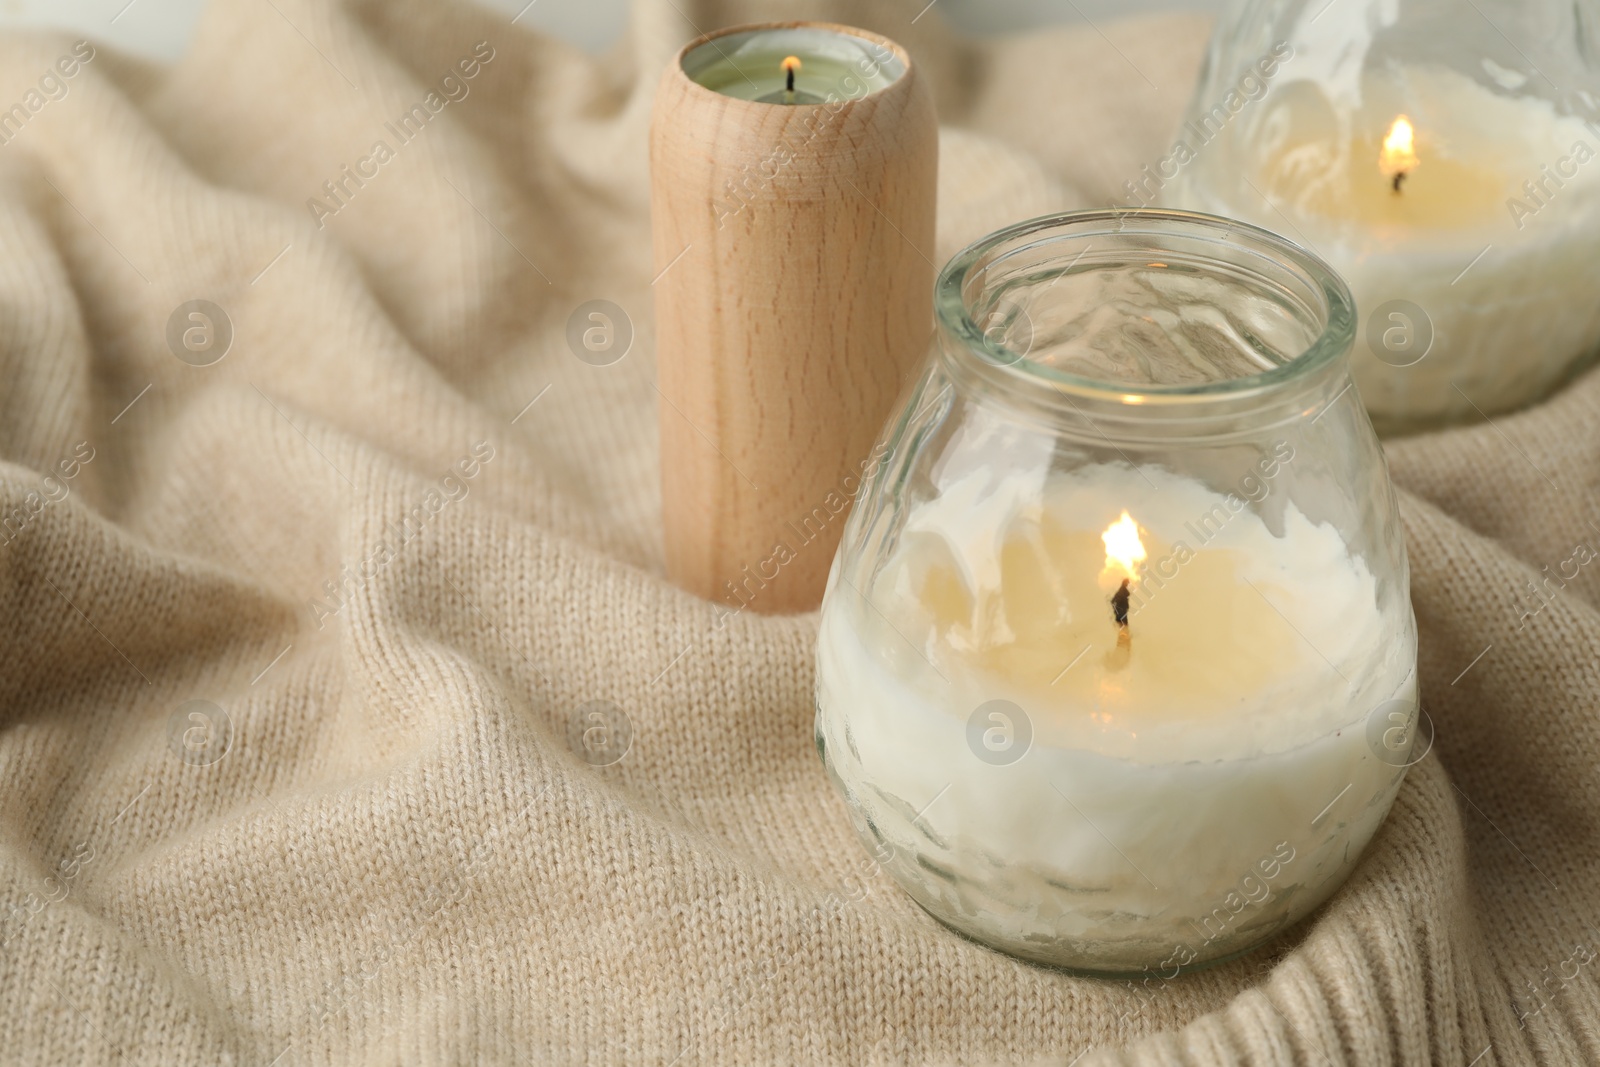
{"x":796,"y":300}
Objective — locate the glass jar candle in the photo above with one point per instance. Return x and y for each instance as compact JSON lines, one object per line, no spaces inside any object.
{"x":1450,"y":178}
{"x":1117,"y":665}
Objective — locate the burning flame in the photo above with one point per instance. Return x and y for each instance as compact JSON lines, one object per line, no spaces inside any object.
{"x":791,"y":64}
{"x":1124,"y":550}
{"x":1399,"y":154}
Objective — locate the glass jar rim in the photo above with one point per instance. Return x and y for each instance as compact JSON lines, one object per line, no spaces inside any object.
{"x":1334,"y":339}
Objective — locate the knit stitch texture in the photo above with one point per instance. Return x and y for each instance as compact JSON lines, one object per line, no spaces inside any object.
{"x":291,"y":703}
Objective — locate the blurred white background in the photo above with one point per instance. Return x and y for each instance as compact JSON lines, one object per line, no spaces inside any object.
{"x":159,"y":29}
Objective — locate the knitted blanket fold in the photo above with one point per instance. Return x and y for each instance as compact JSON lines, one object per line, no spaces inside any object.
{"x":346,"y":715}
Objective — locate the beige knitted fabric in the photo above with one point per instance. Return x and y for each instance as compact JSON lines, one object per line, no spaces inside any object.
{"x":399,"y":539}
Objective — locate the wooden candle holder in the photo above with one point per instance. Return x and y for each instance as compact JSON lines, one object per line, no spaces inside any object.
{"x":795,"y":296}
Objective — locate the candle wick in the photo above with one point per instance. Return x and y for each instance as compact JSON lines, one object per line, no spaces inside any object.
{"x":1119,"y":605}
{"x":1399,"y":177}
{"x":790,"y":65}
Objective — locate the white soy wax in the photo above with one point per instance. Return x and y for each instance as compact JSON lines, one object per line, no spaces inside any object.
{"x":1084,"y":795}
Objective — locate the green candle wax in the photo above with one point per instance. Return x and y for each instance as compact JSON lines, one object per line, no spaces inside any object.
{"x":750,"y":65}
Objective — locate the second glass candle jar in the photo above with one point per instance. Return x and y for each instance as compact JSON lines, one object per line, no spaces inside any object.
{"x":1117,"y":663}
{"x":1416,"y":146}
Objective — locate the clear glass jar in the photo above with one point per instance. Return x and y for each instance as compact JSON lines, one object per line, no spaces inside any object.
{"x":1443,"y":157}
{"x":1165,"y":398}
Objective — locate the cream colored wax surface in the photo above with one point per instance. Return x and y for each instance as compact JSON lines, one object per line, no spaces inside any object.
{"x":1182,"y":791}
{"x":1492,"y":234}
